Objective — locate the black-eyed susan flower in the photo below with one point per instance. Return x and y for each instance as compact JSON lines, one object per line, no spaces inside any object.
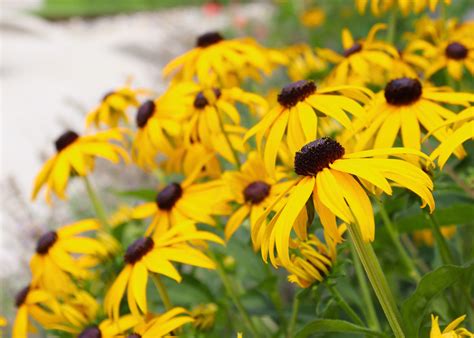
{"x":299,"y":104}
{"x":405,"y":107}
{"x":55,"y":259}
{"x":37,"y":304}
{"x":378,"y":7}
{"x":451,"y":330}
{"x":426,"y":237}
{"x":154,"y":255}
{"x":75,"y":155}
{"x":113,"y":107}
{"x":408,"y":63}
{"x":105,"y":329}
{"x":204,"y":316}
{"x":253,"y":190}
{"x":222,"y":62}
{"x":362,"y":61}
{"x":162,"y":325}
{"x":331,"y":178}
{"x":304,"y":63}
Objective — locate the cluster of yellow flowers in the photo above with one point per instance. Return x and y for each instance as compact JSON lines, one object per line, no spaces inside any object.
{"x":269,"y":162}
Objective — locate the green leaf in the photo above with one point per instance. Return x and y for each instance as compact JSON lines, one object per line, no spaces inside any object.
{"x":415,"y":307}
{"x":332,"y":325}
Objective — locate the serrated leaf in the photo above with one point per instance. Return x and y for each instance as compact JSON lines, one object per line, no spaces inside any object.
{"x":334,"y":325}
{"x":415,"y":307}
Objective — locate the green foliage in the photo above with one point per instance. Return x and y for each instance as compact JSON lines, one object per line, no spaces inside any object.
{"x":323,"y":326}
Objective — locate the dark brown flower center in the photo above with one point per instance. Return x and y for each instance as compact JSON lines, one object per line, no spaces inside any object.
{"x":317,"y":155}
{"x":21,"y":296}
{"x":168,"y":197}
{"x":256,"y":192}
{"x":355,"y":48}
{"x":403,"y":91}
{"x":45,"y":242}
{"x":456,"y":51}
{"x":207,"y":39}
{"x":90,"y":332}
{"x":295,"y":92}
{"x":138,"y":249}
{"x":145,"y":111}
{"x":134,"y":335}
{"x":201,"y":101}
{"x":65,"y":139}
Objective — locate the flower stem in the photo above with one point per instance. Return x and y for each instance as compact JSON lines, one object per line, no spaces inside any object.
{"x":392,"y":26}
{"x":344,"y":305}
{"x":162,"y":291}
{"x":377,"y":279}
{"x":393,"y":233}
{"x":294,"y":314}
{"x":229,"y":143}
{"x":96,"y":203}
{"x":233,"y":295}
{"x":446,"y":255}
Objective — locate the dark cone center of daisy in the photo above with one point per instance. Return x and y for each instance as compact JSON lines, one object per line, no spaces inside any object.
{"x":45,"y":242}
{"x":403,"y":91}
{"x":168,"y":197}
{"x":65,"y":139}
{"x":355,"y":48}
{"x":317,"y":155}
{"x":145,"y":111}
{"x":138,"y":249}
{"x":456,"y":51}
{"x":256,"y":192}
{"x":20,"y":297}
{"x":134,"y":335}
{"x":208,"y":39}
{"x":90,"y":332}
{"x":201,"y":101}
{"x":295,"y":92}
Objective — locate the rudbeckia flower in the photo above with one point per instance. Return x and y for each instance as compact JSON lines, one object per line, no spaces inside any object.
{"x":107,"y":328}
{"x":408,"y":63}
{"x":162,"y":325}
{"x":451,"y":331}
{"x":37,"y":304}
{"x":154,"y":255}
{"x":303,"y":62}
{"x":75,"y":155}
{"x":113,"y":107}
{"x":217,"y":61}
{"x":204,"y":316}
{"x":363,"y":61}
{"x":299,"y":105}
{"x":328,"y":176}
{"x":54,"y":262}
{"x":378,"y":7}
{"x":426,"y":237}
{"x":404,"y":107}
{"x":253,"y":189}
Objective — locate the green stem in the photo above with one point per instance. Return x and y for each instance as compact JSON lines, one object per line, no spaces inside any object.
{"x":294,"y":314}
{"x":414,"y":253}
{"x":369,"y":308}
{"x":344,"y":305}
{"x":446,"y":255}
{"x":229,"y":143}
{"x":233,"y":295}
{"x":165,"y":298}
{"x":96,"y":203}
{"x":392,"y":26}
{"x":377,"y":279}
{"x":393,"y":233}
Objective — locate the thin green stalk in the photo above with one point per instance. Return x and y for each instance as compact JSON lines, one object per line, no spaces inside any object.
{"x":344,"y":305}
{"x":446,"y":255}
{"x":392,"y":26}
{"x":294,"y":314}
{"x":414,"y":253}
{"x":393,"y":233}
{"x":232,"y":294}
{"x":227,"y":139}
{"x":369,"y":309}
{"x":377,"y":279}
{"x":96,"y":203}
{"x":165,"y":298}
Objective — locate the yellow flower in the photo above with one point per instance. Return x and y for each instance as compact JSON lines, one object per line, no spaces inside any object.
{"x":299,"y":105}
{"x":253,"y":189}
{"x":451,"y":331}
{"x":76,"y":156}
{"x":217,"y":61}
{"x":113,"y":107}
{"x":154,"y":255}
{"x":378,"y":7}
{"x":425,"y":236}
{"x":55,"y":259}
{"x":328,"y":177}
{"x":162,"y":325}
{"x":122,"y":215}
{"x":108,"y":328}
{"x":35,"y":303}
{"x":204,"y":316}
{"x":403,"y":108}
{"x":408,"y":63}
{"x":362,"y":61}
{"x":303,"y":62}
{"x":313,"y":17}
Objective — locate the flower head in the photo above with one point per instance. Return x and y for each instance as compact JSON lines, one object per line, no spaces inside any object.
{"x":451,"y":331}
{"x":162,"y":325}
